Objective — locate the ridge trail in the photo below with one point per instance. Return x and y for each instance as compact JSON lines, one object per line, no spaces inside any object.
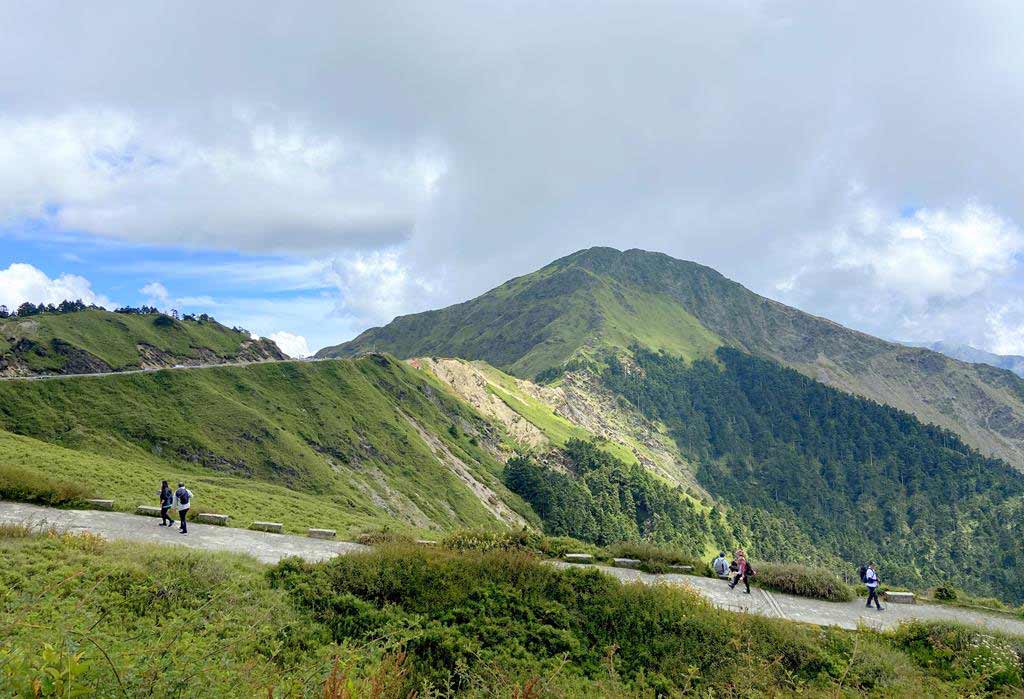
{"x":270,"y":548}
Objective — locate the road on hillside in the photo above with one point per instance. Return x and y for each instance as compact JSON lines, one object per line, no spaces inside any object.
{"x":150,"y":370}
{"x":271,"y":548}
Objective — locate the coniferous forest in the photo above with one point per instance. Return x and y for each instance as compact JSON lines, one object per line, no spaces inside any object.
{"x":861,"y":480}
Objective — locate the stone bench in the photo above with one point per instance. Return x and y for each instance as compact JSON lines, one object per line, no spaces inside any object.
{"x":100,"y":504}
{"x":899,"y":597}
{"x":579,"y":558}
{"x":680,"y":569}
{"x":322,"y":533}
{"x":426,"y":542}
{"x":148,"y":510}
{"x":211,"y":518}
{"x":626,"y":563}
{"x":273,"y":527}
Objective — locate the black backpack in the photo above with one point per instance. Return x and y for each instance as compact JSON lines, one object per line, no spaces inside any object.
{"x":183,"y":498}
{"x":863,"y":571}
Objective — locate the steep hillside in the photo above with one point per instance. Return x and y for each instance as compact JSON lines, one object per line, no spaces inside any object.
{"x":341,"y":444}
{"x":581,"y":306}
{"x":94,"y":341}
{"x":578,"y":407}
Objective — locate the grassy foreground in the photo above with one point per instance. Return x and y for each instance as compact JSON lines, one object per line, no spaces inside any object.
{"x":83,"y":617}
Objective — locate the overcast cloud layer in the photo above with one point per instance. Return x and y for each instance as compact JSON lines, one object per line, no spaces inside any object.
{"x":858,"y":160}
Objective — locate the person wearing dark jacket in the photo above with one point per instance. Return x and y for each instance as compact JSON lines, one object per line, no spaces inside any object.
{"x":166,"y":501}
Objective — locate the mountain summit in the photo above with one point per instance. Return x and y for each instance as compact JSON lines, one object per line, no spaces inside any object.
{"x":598,"y":300}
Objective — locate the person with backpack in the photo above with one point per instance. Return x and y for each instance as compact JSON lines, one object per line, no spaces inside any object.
{"x":166,"y":496}
{"x":870,"y":578}
{"x":721,"y":566}
{"x":182,"y":501}
{"x":743,"y":571}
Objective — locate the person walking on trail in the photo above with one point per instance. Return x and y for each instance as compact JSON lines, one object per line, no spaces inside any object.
{"x":743,"y":571}
{"x":182,"y":501}
{"x":871,"y":580}
{"x":166,"y":502}
{"x":721,"y":566}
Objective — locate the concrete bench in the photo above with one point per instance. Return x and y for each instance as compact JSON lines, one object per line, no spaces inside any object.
{"x":100,"y":504}
{"x":899,"y":597}
{"x":211,"y":518}
{"x":322,"y":533}
{"x":680,"y":569}
{"x":579,"y":558}
{"x":426,"y":542}
{"x":148,"y":510}
{"x":626,"y":563}
{"x":273,"y":527}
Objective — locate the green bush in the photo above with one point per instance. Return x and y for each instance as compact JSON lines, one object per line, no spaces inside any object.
{"x":975,"y":659}
{"x":796,"y":579}
{"x":464,"y":617}
{"x":945,"y":594}
{"x":30,"y":486}
{"x":654,"y":558}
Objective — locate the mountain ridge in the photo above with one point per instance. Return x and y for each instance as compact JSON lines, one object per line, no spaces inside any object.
{"x":600,"y":300}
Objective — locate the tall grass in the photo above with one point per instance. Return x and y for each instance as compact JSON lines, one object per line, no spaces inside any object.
{"x":805,"y":581}
{"x":33,"y":486}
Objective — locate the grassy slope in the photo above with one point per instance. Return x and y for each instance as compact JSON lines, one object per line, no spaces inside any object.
{"x":133,"y":620}
{"x":324,"y":444}
{"x":113,"y":337}
{"x":541,"y":320}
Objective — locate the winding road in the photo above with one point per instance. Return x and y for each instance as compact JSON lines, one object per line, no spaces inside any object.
{"x":271,"y":548}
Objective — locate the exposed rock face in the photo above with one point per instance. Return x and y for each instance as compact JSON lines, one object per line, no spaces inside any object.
{"x":72,"y":360}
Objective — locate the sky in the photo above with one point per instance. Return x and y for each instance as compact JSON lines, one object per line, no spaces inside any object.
{"x":309,"y":170}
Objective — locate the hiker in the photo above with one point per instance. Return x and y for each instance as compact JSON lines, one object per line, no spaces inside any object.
{"x":182,"y":501}
{"x":721,"y":566}
{"x":743,"y":571}
{"x":166,"y":502}
{"x":871,"y":580}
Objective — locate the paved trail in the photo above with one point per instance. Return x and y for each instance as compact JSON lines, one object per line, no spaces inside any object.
{"x":271,"y":548}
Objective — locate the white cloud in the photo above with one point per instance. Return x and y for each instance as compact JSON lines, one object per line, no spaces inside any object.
{"x":932,"y":253}
{"x":156,"y":294}
{"x":375,"y":287}
{"x":263,"y":186}
{"x":22,"y":282}
{"x":294,"y":346}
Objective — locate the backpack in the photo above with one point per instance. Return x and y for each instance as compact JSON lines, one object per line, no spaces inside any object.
{"x":863,"y":571}
{"x":184,"y":498}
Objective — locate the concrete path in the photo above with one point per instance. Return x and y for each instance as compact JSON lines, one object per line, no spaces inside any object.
{"x":269,"y":548}
{"x":848,"y":615}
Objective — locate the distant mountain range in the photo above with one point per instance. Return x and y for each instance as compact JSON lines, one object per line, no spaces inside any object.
{"x":973,"y":355}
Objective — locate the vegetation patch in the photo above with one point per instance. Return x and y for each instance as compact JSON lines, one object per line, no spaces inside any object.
{"x":805,"y":581}
{"x":27,"y":485}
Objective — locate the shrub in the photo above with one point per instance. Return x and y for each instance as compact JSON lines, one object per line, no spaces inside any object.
{"x":29,"y":486}
{"x":377,"y":537}
{"x":961,"y":653}
{"x":795,"y":579}
{"x":946,"y":594}
{"x":655,"y":559}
